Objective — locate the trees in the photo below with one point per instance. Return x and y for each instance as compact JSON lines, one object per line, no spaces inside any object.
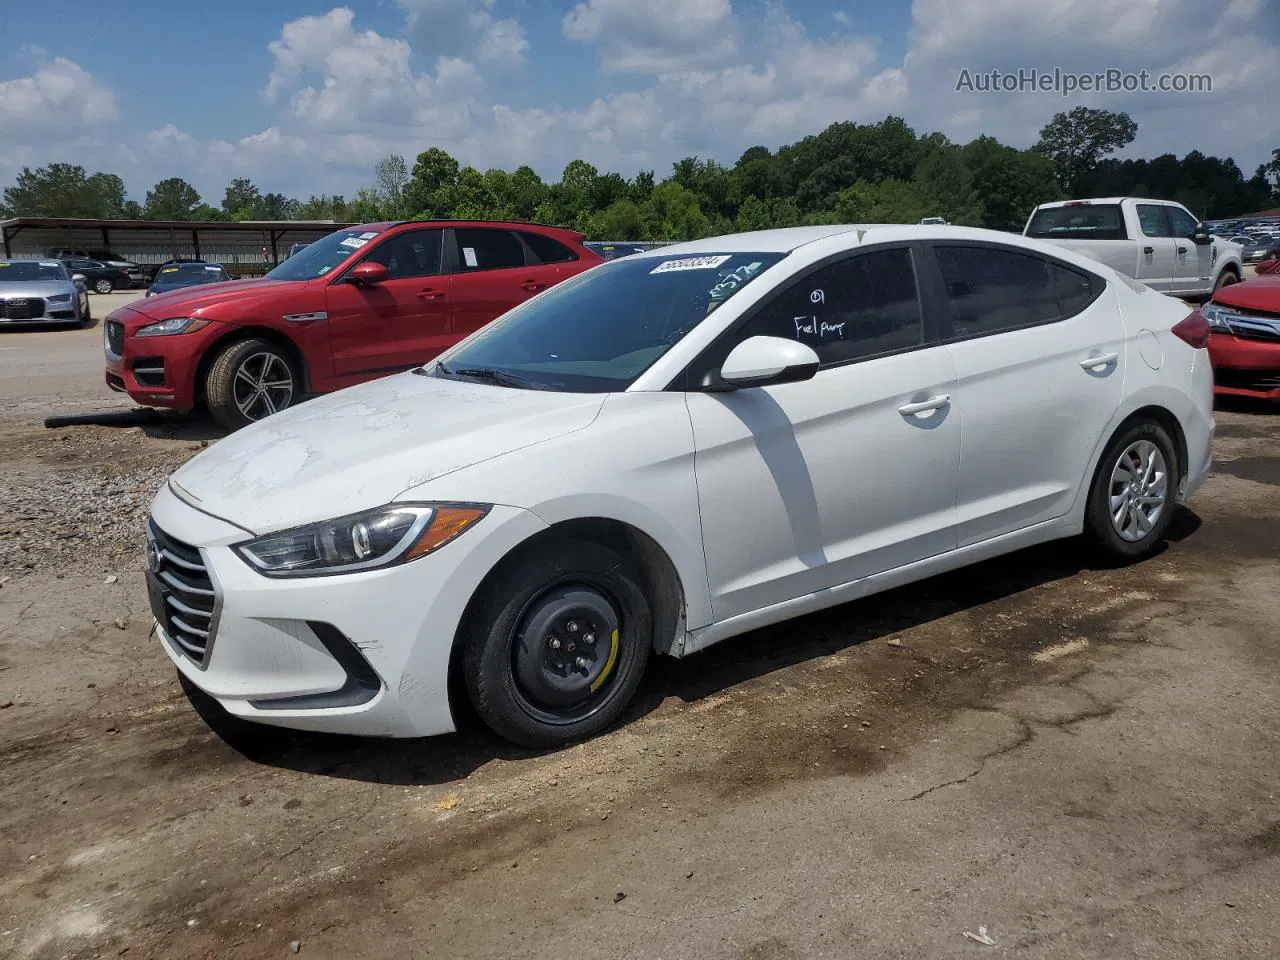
{"x":241,"y":199}
{"x":1076,"y":140}
{"x":432,"y":171}
{"x":391,"y":174}
{"x":64,"y":190}
{"x":173,"y":199}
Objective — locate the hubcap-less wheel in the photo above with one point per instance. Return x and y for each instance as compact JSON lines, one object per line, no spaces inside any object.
{"x":1139,"y":490}
{"x":262,"y":385}
{"x":103,"y":286}
{"x":566,"y":653}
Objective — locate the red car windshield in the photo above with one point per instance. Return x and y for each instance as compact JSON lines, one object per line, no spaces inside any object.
{"x":322,"y":256}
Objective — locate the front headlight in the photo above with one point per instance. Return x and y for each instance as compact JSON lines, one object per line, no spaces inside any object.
{"x":1217,"y":315}
{"x":396,"y":533}
{"x":167,"y":328}
{"x":60,"y":298}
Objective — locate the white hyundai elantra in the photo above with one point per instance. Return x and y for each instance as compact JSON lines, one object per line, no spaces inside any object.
{"x":662,"y":453}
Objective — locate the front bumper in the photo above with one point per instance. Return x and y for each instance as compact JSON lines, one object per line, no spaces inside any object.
{"x":157,"y":371}
{"x":364,"y":653}
{"x":1245,"y":368}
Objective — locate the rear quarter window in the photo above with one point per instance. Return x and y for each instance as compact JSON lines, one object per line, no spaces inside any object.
{"x":1088,"y":222}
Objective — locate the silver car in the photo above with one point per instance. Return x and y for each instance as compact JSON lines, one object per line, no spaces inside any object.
{"x":41,"y":291}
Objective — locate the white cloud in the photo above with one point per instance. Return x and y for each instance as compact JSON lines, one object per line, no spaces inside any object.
{"x":58,"y":95}
{"x":457,"y":28}
{"x":655,"y":36}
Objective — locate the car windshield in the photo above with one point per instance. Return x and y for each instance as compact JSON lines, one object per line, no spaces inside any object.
{"x":191,"y":273}
{"x":597,"y":332}
{"x":322,"y":256}
{"x":11,"y":270}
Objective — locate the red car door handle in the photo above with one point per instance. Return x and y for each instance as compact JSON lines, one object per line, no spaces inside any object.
{"x":533,"y":286}
{"x":429,"y":294}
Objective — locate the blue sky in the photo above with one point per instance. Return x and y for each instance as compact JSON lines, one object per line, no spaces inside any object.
{"x":303,"y":95}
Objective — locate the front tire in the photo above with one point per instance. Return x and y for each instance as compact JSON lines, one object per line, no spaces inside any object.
{"x":1134,"y":493}
{"x":250,"y":380}
{"x":1225,"y":279}
{"x":103,"y":286}
{"x":558,"y":645}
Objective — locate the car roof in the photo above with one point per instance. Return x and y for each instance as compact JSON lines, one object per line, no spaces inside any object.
{"x":787,"y":239}
{"x":507,"y":224}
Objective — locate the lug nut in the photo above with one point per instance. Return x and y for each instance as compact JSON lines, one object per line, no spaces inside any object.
{"x":572,"y":626}
{"x":553,"y":643}
{"x":581,"y":663}
{"x":589,"y":638}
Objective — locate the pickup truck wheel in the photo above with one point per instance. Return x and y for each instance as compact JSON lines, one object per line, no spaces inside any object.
{"x":249,"y":380}
{"x":1225,"y":279}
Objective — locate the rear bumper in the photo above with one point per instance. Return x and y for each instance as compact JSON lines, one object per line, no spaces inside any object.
{"x":1245,"y":368}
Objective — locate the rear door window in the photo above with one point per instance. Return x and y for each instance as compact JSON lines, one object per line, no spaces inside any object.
{"x":992,"y":289}
{"x":1152,"y":220}
{"x":546,"y":249}
{"x":478,"y":248}
{"x":1089,"y":221}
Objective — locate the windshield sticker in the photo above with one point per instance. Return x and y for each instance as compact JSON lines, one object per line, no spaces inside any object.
{"x":355,"y":243}
{"x":169,"y":270}
{"x":690,"y":263}
{"x":369,"y":236}
{"x":47,"y":263}
{"x":469,"y":257}
{"x":214,"y":269}
{"x":4,"y":264}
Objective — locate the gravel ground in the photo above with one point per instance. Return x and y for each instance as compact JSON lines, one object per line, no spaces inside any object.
{"x":1082,"y":761}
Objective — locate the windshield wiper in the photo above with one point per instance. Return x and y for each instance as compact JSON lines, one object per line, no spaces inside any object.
{"x":500,"y":377}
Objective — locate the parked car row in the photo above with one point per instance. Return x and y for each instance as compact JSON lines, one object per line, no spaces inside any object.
{"x":657,"y":454}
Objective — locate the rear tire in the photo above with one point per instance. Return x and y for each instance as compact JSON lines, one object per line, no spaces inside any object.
{"x":558,"y":645}
{"x":248,"y":381}
{"x":1134,"y":493}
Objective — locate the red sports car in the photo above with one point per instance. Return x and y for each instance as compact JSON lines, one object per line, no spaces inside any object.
{"x":360,"y":303}
{"x":1244,"y":339}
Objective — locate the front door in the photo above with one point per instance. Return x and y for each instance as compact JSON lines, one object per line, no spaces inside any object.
{"x":383,"y":328}
{"x":1039,"y":350}
{"x":805,"y":486}
{"x":1157,"y":260}
{"x":1195,"y":260}
{"x":493,"y":272}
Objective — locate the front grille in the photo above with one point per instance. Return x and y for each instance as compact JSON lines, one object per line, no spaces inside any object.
{"x":21,"y":308}
{"x":187,"y":592}
{"x":1261,"y":381}
{"x":115,"y":337}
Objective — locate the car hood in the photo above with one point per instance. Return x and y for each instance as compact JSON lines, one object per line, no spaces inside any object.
{"x":1260,"y":293}
{"x":36,"y":288}
{"x":189,"y":301}
{"x":363,"y":446}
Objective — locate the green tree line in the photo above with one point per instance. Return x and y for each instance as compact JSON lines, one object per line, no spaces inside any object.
{"x":848,"y":173}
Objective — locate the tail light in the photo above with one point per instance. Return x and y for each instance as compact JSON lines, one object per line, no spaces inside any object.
{"x":1193,"y":330}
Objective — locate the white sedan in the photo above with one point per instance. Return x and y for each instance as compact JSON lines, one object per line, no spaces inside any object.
{"x":667,"y":451}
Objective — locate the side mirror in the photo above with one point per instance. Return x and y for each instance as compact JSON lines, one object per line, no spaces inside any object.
{"x":368,"y":272}
{"x":763,"y":361}
{"x":78,"y":277}
{"x":1201,"y":234}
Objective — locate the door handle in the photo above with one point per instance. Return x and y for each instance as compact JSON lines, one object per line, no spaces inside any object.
{"x":1093,"y":363}
{"x":533,"y":286}
{"x":429,"y":294}
{"x":1148,"y":250}
{"x":923,"y":406}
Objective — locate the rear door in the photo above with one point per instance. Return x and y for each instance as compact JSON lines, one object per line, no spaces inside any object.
{"x":384,"y":328}
{"x":1157,"y":266}
{"x":1039,"y":349}
{"x":493,"y":271}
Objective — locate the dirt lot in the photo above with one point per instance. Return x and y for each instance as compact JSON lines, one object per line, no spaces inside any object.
{"x":1083,"y":761}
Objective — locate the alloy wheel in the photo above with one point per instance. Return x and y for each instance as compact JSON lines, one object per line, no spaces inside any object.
{"x":263,"y":385}
{"x":1139,"y":490}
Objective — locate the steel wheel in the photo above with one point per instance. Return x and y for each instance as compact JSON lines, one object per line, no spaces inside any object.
{"x":565,"y":653}
{"x":263,"y":384}
{"x":1139,"y":490}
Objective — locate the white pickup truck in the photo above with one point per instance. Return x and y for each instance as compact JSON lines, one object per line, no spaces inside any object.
{"x":1156,"y":241}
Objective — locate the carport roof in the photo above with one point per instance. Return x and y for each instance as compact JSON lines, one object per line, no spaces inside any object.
{"x":246,"y":226}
